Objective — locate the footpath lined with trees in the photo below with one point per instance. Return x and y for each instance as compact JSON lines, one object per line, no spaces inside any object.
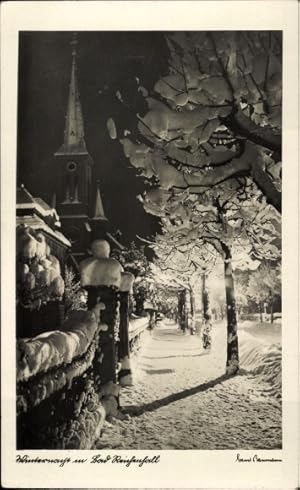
{"x":208,"y":147}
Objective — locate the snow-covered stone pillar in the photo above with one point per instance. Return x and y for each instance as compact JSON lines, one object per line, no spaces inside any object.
{"x":100,"y":275}
{"x":125,"y":374}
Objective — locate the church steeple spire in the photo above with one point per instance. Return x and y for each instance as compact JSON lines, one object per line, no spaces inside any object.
{"x":99,"y":210}
{"x":82,"y":216}
{"x":74,"y":141}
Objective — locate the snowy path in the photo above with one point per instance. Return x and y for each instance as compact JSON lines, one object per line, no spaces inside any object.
{"x":181,"y":400}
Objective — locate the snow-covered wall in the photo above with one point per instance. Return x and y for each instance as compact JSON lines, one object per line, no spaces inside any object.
{"x":51,"y":349}
{"x":59,"y":403}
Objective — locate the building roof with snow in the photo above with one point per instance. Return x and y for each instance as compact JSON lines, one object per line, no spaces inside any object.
{"x":35,"y":213}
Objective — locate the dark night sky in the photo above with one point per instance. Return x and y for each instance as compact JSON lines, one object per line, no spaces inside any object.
{"x":104,"y":59}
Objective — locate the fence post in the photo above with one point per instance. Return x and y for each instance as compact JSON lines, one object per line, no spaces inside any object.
{"x":125,"y":374}
{"x":101,"y":276}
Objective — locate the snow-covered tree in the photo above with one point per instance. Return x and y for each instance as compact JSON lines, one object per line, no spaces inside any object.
{"x":167,"y":301}
{"x":215,"y":115}
{"x":209,"y":146}
{"x":184,"y":264}
{"x":75,"y":297}
{"x":134,"y":260}
{"x":264,"y":285}
{"x":232,"y":220}
{"x":241,"y":287}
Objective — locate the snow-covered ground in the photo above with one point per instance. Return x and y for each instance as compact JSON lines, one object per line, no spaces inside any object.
{"x":182,"y":400}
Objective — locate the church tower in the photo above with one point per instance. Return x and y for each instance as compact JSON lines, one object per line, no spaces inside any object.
{"x":74,"y":166}
{"x":99,"y":221}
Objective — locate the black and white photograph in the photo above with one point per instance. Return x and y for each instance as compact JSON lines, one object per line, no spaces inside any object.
{"x":148,"y":245}
{"x":149,"y":240}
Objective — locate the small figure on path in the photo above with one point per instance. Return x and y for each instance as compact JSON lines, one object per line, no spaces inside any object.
{"x":152,"y":321}
{"x":150,"y":308}
{"x":206,"y":334}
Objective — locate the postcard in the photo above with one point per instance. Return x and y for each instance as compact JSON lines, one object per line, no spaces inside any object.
{"x":150,"y":244}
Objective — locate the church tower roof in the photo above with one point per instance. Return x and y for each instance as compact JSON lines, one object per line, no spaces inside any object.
{"x":99,"y":210}
{"x":74,"y":141}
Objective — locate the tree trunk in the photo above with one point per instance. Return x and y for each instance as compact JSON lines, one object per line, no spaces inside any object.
{"x":260,"y":312}
{"x":139,"y":304}
{"x":265,"y":316}
{"x":192,"y":302}
{"x":192,"y":308}
{"x":186,"y":310}
{"x":182,"y":309}
{"x":243,"y":126}
{"x":179,"y":308}
{"x":152,"y":318}
{"x":265,"y":184}
{"x":205,"y":299}
{"x":272,"y":310}
{"x":232,"y":363}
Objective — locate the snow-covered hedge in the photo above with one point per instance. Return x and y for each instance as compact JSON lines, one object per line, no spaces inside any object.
{"x":50,"y":361}
{"x":39,"y":279}
{"x":52,"y":349}
{"x":70,"y":419}
{"x":40,"y":388}
{"x":61,"y":401}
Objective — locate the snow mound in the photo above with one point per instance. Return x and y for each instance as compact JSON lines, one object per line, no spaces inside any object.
{"x":263,"y":361}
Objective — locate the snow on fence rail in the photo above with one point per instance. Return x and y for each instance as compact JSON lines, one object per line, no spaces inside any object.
{"x":51,"y":349}
{"x":61,"y":401}
{"x":137,"y":326}
{"x":137,"y":332}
